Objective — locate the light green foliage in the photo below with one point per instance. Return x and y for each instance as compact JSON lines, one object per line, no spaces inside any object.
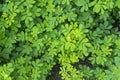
{"x":81,"y":37}
{"x":117,"y":3}
{"x":6,"y":70}
{"x":101,"y":6}
{"x":70,"y":73}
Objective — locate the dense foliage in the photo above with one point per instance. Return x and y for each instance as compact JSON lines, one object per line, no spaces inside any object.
{"x":80,"y":37}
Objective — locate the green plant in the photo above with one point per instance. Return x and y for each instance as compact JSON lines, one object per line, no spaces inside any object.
{"x":81,"y":36}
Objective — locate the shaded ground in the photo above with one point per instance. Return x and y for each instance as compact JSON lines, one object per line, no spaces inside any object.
{"x":54,"y":73}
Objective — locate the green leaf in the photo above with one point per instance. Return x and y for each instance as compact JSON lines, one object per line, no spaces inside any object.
{"x":26,"y":49}
{"x":97,"y":8}
{"x":117,"y":3}
{"x":73,"y":58}
{"x":117,"y":61}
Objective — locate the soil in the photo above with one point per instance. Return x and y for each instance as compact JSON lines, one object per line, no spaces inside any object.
{"x":54,"y":73}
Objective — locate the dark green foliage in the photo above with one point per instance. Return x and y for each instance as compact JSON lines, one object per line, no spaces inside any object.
{"x":80,"y":37}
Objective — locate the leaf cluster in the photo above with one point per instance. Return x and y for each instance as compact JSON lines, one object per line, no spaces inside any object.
{"x":82,"y":36}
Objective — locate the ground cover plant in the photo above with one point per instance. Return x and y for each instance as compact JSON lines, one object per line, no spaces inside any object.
{"x":59,"y":39}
